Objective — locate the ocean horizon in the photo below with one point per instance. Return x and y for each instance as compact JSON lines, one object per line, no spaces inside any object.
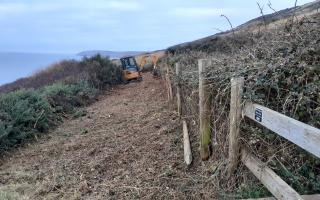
{"x":14,"y":65}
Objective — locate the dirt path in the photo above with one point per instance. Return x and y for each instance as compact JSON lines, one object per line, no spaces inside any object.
{"x":128,"y":146}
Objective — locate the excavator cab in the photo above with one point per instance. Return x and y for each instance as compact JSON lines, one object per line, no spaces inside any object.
{"x":130,"y":69}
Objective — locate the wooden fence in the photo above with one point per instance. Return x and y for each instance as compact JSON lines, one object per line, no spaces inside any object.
{"x":303,"y":135}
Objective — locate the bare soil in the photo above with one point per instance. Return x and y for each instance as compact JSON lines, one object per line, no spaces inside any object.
{"x":128,"y":146}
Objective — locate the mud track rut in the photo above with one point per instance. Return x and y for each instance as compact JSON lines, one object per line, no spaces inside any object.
{"x":129,"y":146}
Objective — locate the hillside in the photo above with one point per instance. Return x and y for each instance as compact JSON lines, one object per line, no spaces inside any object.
{"x":272,"y":21}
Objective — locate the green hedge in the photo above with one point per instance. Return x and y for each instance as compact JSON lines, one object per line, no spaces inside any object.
{"x":25,"y":113}
{"x":22,"y":114}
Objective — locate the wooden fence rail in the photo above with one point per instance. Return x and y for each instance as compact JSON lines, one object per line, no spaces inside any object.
{"x":279,"y":188}
{"x":303,"y":135}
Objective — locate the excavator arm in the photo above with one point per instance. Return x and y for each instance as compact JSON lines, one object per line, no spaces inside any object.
{"x":143,"y":60}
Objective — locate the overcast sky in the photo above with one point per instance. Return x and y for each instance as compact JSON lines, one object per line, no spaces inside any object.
{"x":70,"y":26}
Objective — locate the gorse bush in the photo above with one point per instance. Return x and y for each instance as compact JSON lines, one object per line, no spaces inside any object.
{"x":42,"y":105}
{"x":25,"y":113}
{"x":64,"y":98}
{"x":22,"y":114}
{"x":101,"y":71}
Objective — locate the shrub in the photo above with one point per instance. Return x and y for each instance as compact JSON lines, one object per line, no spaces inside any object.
{"x":22,"y":114}
{"x":64,"y":98}
{"x":25,"y":113}
{"x":101,"y":71}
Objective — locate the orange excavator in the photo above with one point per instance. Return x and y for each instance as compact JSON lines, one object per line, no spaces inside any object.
{"x":132,"y":71}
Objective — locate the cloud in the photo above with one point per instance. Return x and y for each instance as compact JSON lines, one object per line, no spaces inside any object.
{"x":123,"y":5}
{"x":25,"y":7}
{"x":201,"y":12}
{"x":79,"y":5}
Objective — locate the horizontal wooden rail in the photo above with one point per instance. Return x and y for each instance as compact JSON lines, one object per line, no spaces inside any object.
{"x":303,"y":135}
{"x":279,"y":188}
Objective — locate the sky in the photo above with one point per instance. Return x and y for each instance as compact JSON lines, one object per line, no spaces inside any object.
{"x":71,"y":26}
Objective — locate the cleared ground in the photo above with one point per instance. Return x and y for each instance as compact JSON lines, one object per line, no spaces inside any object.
{"x":128,"y":146}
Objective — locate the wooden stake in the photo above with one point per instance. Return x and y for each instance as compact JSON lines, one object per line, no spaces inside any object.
{"x":168,"y":87}
{"x":167,"y":81}
{"x":186,"y":144}
{"x":167,"y":68}
{"x":204,"y":111}
{"x":280,"y":189}
{"x":170,"y":93}
{"x":235,"y":118}
{"x":178,"y":74}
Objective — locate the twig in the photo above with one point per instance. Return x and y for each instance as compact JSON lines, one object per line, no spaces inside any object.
{"x":261,"y":12}
{"x":270,"y":6}
{"x":35,"y":124}
{"x":229,"y":24}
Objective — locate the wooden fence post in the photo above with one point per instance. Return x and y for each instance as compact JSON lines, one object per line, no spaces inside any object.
{"x":186,"y":144}
{"x":178,"y":75}
{"x":204,"y":111}
{"x":235,"y":118}
{"x":168,"y":83}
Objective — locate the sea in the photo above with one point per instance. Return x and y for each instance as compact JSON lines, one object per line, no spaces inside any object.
{"x":18,"y":65}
